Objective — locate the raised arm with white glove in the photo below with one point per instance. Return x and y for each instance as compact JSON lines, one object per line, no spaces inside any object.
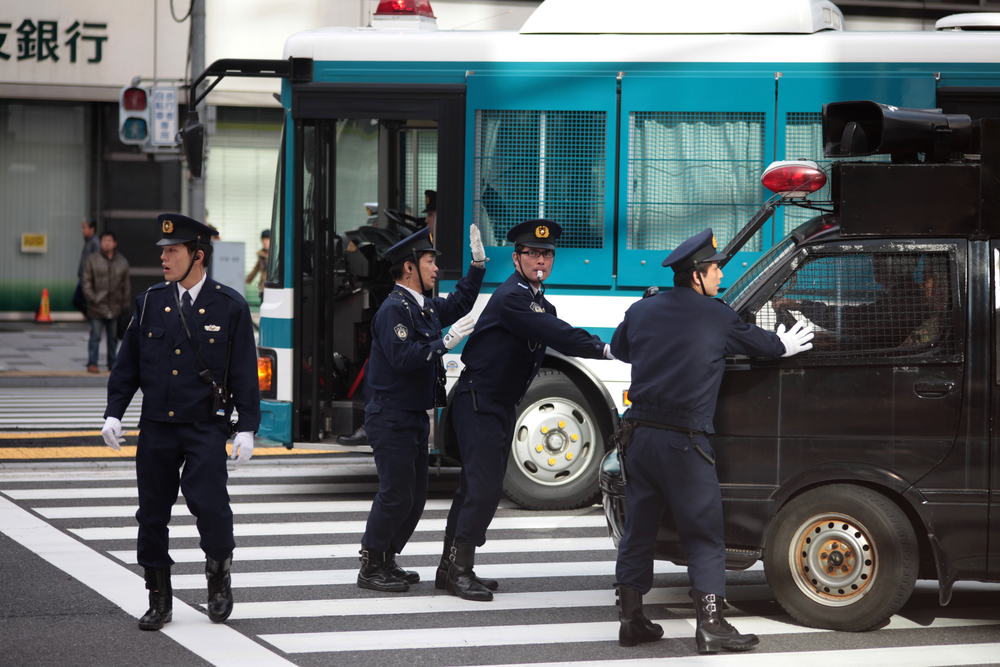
{"x":795,"y":339}
{"x":459,"y":330}
{"x":476,"y":244}
{"x":112,"y":433}
{"x":242,"y":447}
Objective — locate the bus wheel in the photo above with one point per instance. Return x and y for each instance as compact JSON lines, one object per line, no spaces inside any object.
{"x":557,"y":447}
{"x":841,"y":557}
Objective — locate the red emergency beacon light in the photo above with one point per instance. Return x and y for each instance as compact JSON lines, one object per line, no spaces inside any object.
{"x":405,"y":7}
{"x":793,"y":179}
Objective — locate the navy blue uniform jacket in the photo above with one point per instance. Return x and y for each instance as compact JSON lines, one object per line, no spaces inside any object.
{"x":677,"y":342}
{"x":505,"y":352}
{"x":157,"y":357}
{"x":407,"y":345}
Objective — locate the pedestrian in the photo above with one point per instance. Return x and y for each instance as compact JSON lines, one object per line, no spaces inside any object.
{"x":406,"y":379}
{"x":430,"y":208}
{"x":190,"y":349}
{"x":677,"y":342}
{"x":108,"y":291}
{"x":90,"y":245}
{"x":501,"y":359}
{"x":261,"y":266}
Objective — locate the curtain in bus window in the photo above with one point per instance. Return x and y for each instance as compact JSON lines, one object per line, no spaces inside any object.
{"x":541,"y":164}
{"x":804,"y":141}
{"x":357,"y":171}
{"x":692,"y":170}
{"x":420,"y":160}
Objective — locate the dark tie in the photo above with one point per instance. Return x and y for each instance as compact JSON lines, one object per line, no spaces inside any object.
{"x":186,"y":306}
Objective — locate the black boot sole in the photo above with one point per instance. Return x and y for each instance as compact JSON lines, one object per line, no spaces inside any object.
{"x":441,"y":581}
{"x":395,"y":587}
{"x":708,"y":649}
{"x":156,"y":626}
{"x":476,"y":596}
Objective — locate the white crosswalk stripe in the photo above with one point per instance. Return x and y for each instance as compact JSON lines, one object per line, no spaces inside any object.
{"x":299,"y":602}
{"x":39,"y":409}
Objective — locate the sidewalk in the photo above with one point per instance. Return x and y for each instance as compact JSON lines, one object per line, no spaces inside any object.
{"x":30,"y":348}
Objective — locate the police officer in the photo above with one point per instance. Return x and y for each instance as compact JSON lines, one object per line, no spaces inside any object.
{"x":405,"y":380}
{"x":676,"y":342}
{"x":501,"y":359}
{"x":190,"y":348}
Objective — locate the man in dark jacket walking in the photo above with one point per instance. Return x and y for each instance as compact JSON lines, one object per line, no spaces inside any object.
{"x":108,"y":292}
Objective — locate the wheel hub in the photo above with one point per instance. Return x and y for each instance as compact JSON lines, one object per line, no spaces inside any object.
{"x":554,"y":441}
{"x":833,"y":560}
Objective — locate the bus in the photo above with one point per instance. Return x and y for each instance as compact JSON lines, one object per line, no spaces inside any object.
{"x":632,"y":129}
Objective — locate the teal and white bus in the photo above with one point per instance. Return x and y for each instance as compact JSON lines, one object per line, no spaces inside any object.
{"x":633,"y":130}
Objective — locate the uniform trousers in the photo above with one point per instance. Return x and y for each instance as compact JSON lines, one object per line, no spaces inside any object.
{"x":484,"y":428}
{"x":664,"y":470}
{"x":162,"y":450}
{"x":398,"y":439}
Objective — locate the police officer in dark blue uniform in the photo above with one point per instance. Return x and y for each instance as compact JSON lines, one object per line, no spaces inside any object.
{"x":501,"y":359}
{"x":676,"y":342}
{"x":190,"y":348}
{"x":406,"y":379}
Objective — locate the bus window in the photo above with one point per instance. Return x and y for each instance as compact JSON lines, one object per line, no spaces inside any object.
{"x":275,"y":267}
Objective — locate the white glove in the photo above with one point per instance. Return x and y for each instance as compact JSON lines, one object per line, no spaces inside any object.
{"x":795,"y":339}
{"x":242,"y":447}
{"x":112,"y":433}
{"x":607,"y":352}
{"x":476,"y":244}
{"x":459,"y":330}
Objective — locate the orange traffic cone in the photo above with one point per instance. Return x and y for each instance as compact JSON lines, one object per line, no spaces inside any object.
{"x":43,"y":311}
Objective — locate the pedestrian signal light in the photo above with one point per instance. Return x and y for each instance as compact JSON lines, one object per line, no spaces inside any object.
{"x":855,"y":129}
{"x":793,"y":179}
{"x":133,"y":115}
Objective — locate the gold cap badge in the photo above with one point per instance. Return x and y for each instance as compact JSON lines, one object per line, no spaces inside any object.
{"x":168,"y":227}
{"x":542,"y":232}
{"x":714,"y":244}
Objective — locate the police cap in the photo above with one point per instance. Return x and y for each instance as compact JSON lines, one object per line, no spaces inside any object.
{"x":699,"y":248}
{"x":411,"y":246}
{"x":540,"y":234}
{"x":430,"y":201}
{"x":179,"y":228}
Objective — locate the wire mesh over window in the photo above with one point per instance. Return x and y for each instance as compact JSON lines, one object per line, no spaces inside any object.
{"x":804,"y":141}
{"x":420,"y":160}
{"x":541,"y":164}
{"x":692,"y":170}
{"x":869,"y":305}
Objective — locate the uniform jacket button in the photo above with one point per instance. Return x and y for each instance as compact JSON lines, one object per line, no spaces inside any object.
{"x":177,"y":351}
{"x":201,"y":311}
{"x":170,"y":414}
{"x":174,"y":372}
{"x":211,"y":340}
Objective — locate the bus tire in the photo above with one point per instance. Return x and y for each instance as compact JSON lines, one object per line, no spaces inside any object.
{"x":556,"y":449}
{"x":841,"y":557}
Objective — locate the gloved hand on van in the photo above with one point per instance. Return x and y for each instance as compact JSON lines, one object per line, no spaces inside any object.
{"x":795,"y":339}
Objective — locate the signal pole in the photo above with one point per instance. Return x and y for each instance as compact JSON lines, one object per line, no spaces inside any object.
{"x":196,"y":186}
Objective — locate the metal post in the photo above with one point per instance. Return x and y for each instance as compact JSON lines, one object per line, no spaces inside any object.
{"x":196,"y":186}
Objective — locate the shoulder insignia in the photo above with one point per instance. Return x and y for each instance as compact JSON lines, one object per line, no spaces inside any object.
{"x":522,"y":285}
{"x":401,"y":331}
{"x":537,"y":307}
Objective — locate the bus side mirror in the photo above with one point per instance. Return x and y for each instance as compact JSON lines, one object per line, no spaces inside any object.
{"x":192,"y":136}
{"x":856,"y":129}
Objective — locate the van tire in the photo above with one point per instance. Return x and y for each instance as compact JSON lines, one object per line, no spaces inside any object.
{"x":531,"y":481}
{"x":841,"y":557}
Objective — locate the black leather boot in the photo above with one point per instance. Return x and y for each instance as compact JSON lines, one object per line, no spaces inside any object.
{"x":376,"y":575}
{"x":409,"y":576}
{"x":161,"y":600}
{"x":636,"y":628}
{"x":357,"y":438}
{"x":461,"y":579}
{"x":714,"y":633}
{"x":441,"y":576}
{"x":220,"y":591}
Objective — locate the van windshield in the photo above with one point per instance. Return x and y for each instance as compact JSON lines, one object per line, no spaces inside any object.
{"x":749,"y":280}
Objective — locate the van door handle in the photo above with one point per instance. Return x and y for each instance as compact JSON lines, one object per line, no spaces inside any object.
{"x":933,"y":389}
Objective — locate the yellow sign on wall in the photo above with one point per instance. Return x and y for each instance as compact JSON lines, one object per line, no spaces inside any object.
{"x":34,"y":243}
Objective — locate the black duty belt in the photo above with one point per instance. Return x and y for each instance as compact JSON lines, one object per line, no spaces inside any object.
{"x":677,"y":429}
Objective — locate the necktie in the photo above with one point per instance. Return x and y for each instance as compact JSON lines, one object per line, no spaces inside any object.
{"x":186,"y":306}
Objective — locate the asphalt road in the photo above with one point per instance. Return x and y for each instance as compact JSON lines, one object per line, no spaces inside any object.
{"x":70,"y":591}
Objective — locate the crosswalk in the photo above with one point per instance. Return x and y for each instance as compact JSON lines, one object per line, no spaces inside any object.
{"x":295,"y":568}
{"x":54,"y":408}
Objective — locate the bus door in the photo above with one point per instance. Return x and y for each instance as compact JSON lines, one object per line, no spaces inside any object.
{"x":367,"y":154}
{"x":692,"y":152}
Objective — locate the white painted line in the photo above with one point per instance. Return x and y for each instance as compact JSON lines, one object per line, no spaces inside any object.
{"x":301,"y":552}
{"x":348,"y":527}
{"x":80,"y":493}
{"x":216,"y":643}
{"x":545,"y":569}
{"x":901,"y":656}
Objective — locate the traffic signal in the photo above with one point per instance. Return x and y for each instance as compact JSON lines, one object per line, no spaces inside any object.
{"x":855,"y":129}
{"x":133,"y":115}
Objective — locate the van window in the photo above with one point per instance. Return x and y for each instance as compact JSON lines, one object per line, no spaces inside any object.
{"x":869,"y":304}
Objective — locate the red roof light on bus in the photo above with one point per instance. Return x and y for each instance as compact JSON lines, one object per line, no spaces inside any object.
{"x":793,"y":178}
{"x":398,"y":7}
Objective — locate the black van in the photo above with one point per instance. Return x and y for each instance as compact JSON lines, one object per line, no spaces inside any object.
{"x":873,"y":460}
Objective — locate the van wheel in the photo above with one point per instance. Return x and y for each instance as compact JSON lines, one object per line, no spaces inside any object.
{"x":557,"y":447}
{"x":841,"y":557}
